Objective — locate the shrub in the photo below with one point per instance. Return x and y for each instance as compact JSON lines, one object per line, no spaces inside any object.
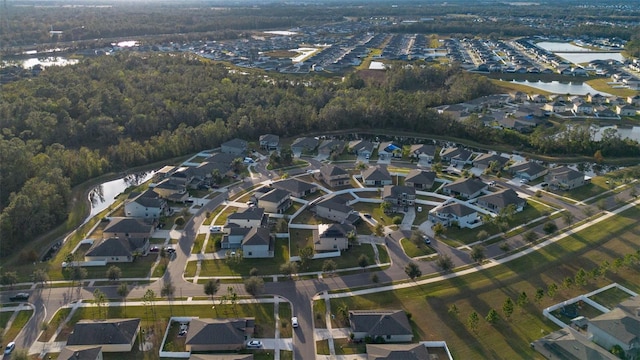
{"x":179,"y":221}
{"x":550,"y":227}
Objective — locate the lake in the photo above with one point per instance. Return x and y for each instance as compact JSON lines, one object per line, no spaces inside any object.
{"x":632,"y":133}
{"x":42,"y":61}
{"x":584,"y":56}
{"x":103,"y":195}
{"x":562,"y":88}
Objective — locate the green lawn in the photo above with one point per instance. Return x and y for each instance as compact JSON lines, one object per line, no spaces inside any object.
{"x":487,"y":289}
{"x":307,"y":217}
{"x":198,"y":243}
{"x":16,"y":326}
{"x":596,"y":187}
{"x":293,"y":208}
{"x":610,"y":298}
{"x":222,"y":217}
{"x":319,"y":311}
{"x":284,"y":313}
{"x":412,"y":250}
{"x":345,"y":347}
{"x":4,"y":318}
{"x":139,"y":268}
{"x":55,"y":321}
{"x":376,"y":212}
{"x":224,"y":268}
{"x":211,"y":244}
{"x":383,"y":254}
{"x":348,"y":259}
{"x":423,"y":215}
{"x":322,"y":347}
{"x":300,"y":238}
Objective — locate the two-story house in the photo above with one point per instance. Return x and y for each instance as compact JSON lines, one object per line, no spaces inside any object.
{"x":400,"y":197}
{"x":333,"y":176}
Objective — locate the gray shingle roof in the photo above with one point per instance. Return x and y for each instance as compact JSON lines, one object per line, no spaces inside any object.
{"x":305,"y":142}
{"x":80,"y":353}
{"x":418,"y":176}
{"x":274,"y":195}
{"x":252,"y":213}
{"x":257,"y":236}
{"x":530,"y":168}
{"x":395,"y":191}
{"x":568,"y":344}
{"x":376,"y":174}
{"x":466,"y":186}
{"x":116,"y":247}
{"x":219,"y":331}
{"x":269,"y":138}
{"x":456,"y":209}
{"x":236,"y":143}
{"x":294,"y":186}
{"x":336,"y":204}
{"x":487,"y":159}
{"x":335,"y":230}
{"x":397,"y":352}
{"x":502,"y":198}
{"x":127,"y":225}
{"x":621,"y":325}
{"x":423,"y":149}
{"x":565,"y":173}
{"x":330,"y":170}
{"x":104,"y":332}
{"x":380,"y":323}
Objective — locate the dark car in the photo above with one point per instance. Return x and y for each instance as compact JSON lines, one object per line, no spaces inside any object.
{"x":19,"y":297}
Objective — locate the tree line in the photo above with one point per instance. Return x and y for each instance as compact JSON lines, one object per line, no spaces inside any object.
{"x":110,"y":113}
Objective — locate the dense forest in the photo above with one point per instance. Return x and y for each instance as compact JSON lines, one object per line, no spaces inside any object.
{"x":28,"y":23}
{"x":110,"y":113}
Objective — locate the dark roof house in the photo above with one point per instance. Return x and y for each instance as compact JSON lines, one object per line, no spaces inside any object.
{"x":219,"y":334}
{"x":113,"y":335}
{"x":390,"y":325}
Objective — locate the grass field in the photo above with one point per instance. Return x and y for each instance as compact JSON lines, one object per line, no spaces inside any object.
{"x":55,"y":321}
{"x":197,"y":244}
{"x":601,"y":85}
{"x":412,"y":250}
{"x":488,"y":289}
{"x":224,"y":268}
{"x":610,"y":298}
{"x":16,"y":326}
{"x":284,"y":313}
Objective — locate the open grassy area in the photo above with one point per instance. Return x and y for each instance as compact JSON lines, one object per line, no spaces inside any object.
{"x":322,"y":347}
{"x":308,"y":217}
{"x":300,"y":238}
{"x":376,"y":212}
{"x":349,"y":258}
{"x":139,"y":268}
{"x":242,"y":268}
{"x":198,"y":243}
{"x":319,"y":311}
{"x":55,"y":321}
{"x":345,"y":347}
{"x":487,"y":289}
{"x":383,"y":254}
{"x":610,"y":298}
{"x":600,"y":84}
{"x":4,"y":318}
{"x":284,"y":313}
{"x":597,"y":186}
{"x":412,"y":250}
{"x":211,"y":244}
{"x":16,"y":326}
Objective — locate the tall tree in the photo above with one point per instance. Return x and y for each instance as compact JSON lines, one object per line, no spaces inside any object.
{"x":412,"y":270}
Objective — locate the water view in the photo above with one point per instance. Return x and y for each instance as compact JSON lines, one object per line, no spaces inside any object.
{"x":42,"y":61}
{"x":632,"y":133}
{"x":560,"y":46}
{"x":562,"y":88}
{"x":103,"y":195}
{"x":590,"y":56}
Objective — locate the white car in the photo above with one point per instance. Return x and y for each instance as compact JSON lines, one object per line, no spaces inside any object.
{"x":419,"y":208}
{"x":294,"y":322}
{"x":254,"y":344}
{"x":215,"y":228}
{"x":9,"y":348}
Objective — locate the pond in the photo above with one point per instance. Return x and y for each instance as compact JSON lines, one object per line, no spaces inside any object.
{"x":103,"y":195}
{"x":42,"y":61}
{"x":632,"y":133}
{"x":557,"y":87}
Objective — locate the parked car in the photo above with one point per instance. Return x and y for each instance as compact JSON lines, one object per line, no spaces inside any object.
{"x":427,"y":240}
{"x":294,"y":322}
{"x":170,"y":250}
{"x":19,"y":297}
{"x":419,"y":208}
{"x":253,"y":344}
{"x":9,"y":348}
{"x":154,"y":249}
{"x":215,"y":228}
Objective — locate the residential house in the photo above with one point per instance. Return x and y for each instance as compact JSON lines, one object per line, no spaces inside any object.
{"x":620,"y":326}
{"x":596,"y":99}
{"x":376,"y":176}
{"x":399,"y":196}
{"x":583,"y":108}
{"x":568,"y":344}
{"x":333,"y":176}
{"x":331,"y":237}
{"x":219,"y":334}
{"x":362,"y":148}
{"x":336,"y":209}
{"x":500,"y":200}
{"x":454,"y":214}
{"x":87,"y":352}
{"x":397,"y":351}
{"x":456,"y":156}
{"x":616,"y":100}
{"x":172,"y":190}
{"x":235,"y":147}
{"x":424,"y":152}
{"x":565,"y":178}
{"x":127,"y":227}
{"x":634,"y":100}
{"x":247,"y":218}
{"x":465,"y":188}
{"x":304,"y":145}
{"x":269,"y":142}
{"x":537,"y":98}
{"x":112,"y":335}
{"x":555,"y":107}
{"x":518,"y":96}
{"x":295,"y":187}
{"x":258,"y":243}
{"x":147,"y":205}
{"x":388,"y":325}
{"x":484,"y":161}
{"x":388,"y":150}
{"x":605,"y":112}
{"x":529,"y":170}
{"x":117,"y":249}
{"x":329,"y":146}
{"x":420,"y":179}
{"x":626,"y":110}
{"x":276,"y":201}
{"x":182,"y":175}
